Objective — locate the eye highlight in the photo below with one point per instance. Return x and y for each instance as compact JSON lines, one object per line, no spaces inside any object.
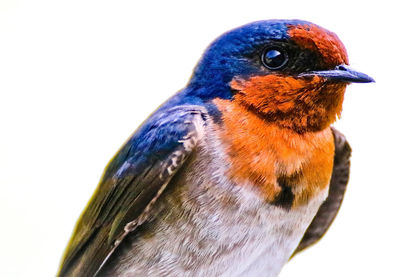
{"x":274,"y":58}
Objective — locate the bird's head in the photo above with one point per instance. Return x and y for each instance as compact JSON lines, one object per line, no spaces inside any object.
{"x":290,"y":72}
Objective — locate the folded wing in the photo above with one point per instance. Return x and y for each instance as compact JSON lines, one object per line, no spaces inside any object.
{"x":131,"y":184}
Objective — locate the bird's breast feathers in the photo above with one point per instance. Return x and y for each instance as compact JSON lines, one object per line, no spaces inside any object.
{"x":287,"y":168}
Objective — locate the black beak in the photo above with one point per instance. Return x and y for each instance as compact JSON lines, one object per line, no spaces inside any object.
{"x":342,"y":73}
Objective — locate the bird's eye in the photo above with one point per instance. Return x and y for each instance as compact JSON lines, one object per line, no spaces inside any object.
{"x":274,"y":58}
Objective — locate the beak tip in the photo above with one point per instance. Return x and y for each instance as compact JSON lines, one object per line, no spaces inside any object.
{"x":364,"y":79}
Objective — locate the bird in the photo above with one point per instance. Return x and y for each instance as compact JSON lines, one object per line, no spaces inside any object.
{"x":233,"y":175}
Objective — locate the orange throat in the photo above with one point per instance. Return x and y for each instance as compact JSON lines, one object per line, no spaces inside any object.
{"x":302,"y":105}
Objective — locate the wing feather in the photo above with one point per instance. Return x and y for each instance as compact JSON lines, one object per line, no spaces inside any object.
{"x":131,"y":184}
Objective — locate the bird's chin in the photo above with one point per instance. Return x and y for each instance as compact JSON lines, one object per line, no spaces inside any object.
{"x":301,"y":104}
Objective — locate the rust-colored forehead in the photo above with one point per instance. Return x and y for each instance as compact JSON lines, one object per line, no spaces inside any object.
{"x":317,"y":39}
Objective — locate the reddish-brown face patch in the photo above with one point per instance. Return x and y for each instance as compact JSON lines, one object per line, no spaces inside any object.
{"x":272,"y":93}
{"x":317,"y":39}
{"x":296,"y":103}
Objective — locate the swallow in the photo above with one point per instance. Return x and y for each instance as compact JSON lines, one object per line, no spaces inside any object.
{"x":234,"y":174}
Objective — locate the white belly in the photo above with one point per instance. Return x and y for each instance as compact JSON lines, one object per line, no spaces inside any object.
{"x":273,"y":241}
{"x":217,"y":234}
{"x":257,"y":243}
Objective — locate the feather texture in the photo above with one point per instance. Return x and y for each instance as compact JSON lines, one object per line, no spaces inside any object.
{"x":131,"y":185}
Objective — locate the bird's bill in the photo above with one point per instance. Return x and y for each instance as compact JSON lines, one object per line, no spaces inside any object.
{"x":341,"y":73}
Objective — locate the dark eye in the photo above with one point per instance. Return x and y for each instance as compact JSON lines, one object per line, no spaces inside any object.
{"x":274,"y":58}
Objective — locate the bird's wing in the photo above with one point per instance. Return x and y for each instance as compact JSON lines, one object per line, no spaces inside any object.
{"x":328,"y":210}
{"x":131,"y":184}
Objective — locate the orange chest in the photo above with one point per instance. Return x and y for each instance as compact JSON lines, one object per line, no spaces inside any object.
{"x":288,"y":168}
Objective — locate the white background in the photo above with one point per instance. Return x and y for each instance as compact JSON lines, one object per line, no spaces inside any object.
{"x":77,"y":78}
